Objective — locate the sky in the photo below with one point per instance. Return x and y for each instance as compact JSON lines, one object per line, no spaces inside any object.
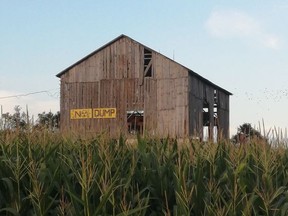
{"x":241,"y":46}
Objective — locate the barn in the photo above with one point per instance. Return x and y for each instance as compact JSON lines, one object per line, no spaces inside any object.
{"x":126,"y":87}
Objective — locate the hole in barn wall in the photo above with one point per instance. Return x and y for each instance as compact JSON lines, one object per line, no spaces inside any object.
{"x":148,"y":63}
{"x":135,"y":121}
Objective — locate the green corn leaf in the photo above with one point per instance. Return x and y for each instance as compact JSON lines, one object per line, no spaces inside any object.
{"x":10,"y":210}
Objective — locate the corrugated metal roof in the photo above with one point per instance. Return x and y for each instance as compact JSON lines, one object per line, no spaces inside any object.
{"x":122,"y":36}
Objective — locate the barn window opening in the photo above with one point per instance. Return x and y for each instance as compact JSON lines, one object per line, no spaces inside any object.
{"x":206,"y":119}
{"x":215,"y":115}
{"x":215,"y":108}
{"x":135,"y":121}
{"x":147,"y":63}
{"x":215,"y":134}
{"x":205,"y":136}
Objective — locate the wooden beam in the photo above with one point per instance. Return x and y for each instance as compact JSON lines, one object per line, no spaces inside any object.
{"x":147,"y":68}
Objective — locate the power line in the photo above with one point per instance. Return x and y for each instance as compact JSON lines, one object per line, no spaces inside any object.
{"x":48,"y":92}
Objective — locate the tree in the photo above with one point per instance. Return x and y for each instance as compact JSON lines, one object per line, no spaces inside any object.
{"x":246,"y":131}
{"x":48,"y":120}
{"x":19,"y":120}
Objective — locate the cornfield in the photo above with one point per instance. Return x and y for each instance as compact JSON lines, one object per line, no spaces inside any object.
{"x":42,"y":173}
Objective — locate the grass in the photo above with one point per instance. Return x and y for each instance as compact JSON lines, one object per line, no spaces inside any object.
{"x":42,"y":173}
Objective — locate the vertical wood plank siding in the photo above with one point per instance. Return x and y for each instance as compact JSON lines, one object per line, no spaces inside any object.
{"x":106,"y":79}
{"x":195,"y":107}
{"x":199,"y":92}
{"x":171,"y":98}
{"x":223,"y":114}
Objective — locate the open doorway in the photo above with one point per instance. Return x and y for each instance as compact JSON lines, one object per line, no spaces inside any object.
{"x":206,"y":121}
{"x":135,"y":121}
{"x":215,"y":117}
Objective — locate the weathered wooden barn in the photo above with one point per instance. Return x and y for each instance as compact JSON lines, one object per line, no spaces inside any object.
{"x":127,"y":87}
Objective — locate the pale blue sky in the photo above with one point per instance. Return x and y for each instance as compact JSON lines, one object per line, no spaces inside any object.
{"x":239,"y":45}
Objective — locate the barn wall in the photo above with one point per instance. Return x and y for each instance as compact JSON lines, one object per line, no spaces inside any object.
{"x":120,"y":60}
{"x":172,"y":97}
{"x":196,"y":90}
{"x":200,"y":91}
{"x":223,"y":114}
{"x":209,"y":98}
{"x":150,"y":106}
{"x":113,"y":77}
{"x":108,"y":79}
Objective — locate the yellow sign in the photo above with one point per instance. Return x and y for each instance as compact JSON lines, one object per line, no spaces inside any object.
{"x":104,"y":113}
{"x":80,"y":113}
{"x":93,"y":113}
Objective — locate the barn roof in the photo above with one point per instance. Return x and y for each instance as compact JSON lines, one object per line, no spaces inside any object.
{"x":122,"y":36}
